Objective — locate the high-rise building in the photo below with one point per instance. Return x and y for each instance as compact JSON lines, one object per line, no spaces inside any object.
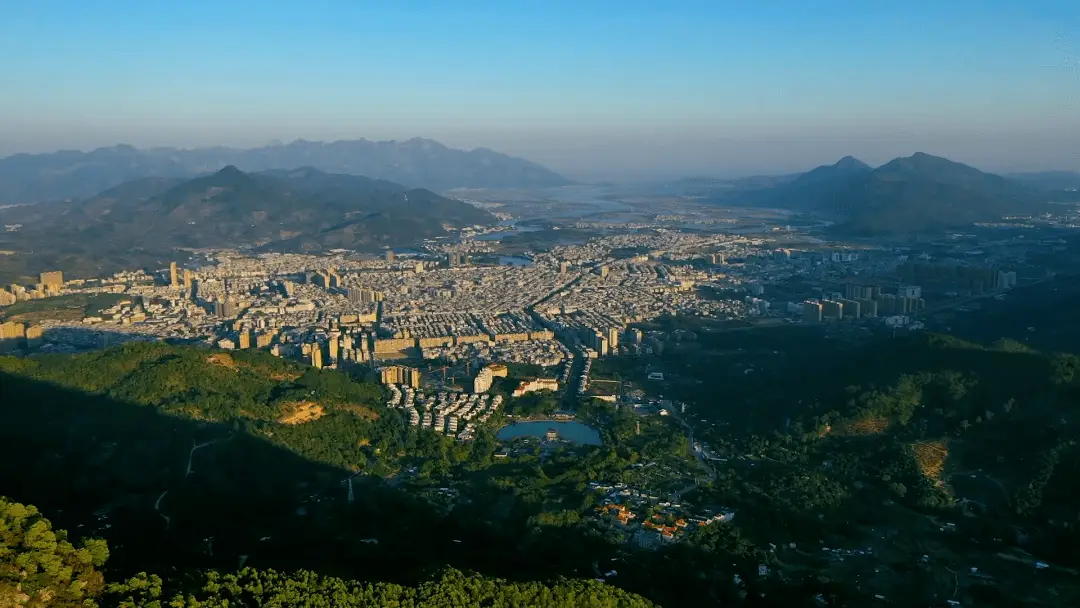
{"x":600,"y":344}
{"x":399,"y":374}
{"x":603,"y":272}
{"x":419,"y":267}
{"x":174,"y":279}
{"x":563,"y":267}
{"x":35,"y":335}
{"x":53,"y":280}
{"x":189,"y":280}
{"x":7,"y":298}
{"x":390,"y":255}
{"x":811,"y":311}
{"x":887,"y":304}
{"x":244,"y":339}
{"x":718,"y":259}
{"x":334,"y":346}
{"x":11,"y":329}
{"x":852,"y":308}
{"x":483,"y":380}
{"x":908,"y":305}
{"x":316,"y":356}
{"x":12,"y":335}
{"x":909,"y":291}
{"x":953,"y":277}
{"x":832,"y":309}
{"x":320,"y":278}
{"x":226,"y":309}
{"x":613,"y":339}
{"x":364,"y":295}
{"x":333,"y":279}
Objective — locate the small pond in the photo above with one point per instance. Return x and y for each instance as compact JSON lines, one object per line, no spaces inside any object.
{"x":575,"y":432}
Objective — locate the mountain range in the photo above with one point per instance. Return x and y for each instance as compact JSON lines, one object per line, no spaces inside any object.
{"x":295,"y":210}
{"x":423,"y":163}
{"x":910,"y":194}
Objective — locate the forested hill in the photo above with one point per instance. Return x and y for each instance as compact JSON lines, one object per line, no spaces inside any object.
{"x":250,"y":393}
{"x":919,"y":193}
{"x":967,"y":454}
{"x":187,"y":460}
{"x":42,"y":566}
{"x":280,"y":211}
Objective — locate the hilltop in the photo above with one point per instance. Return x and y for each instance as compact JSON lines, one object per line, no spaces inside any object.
{"x":417,"y":163}
{"x":304,"y":209}
{"x":911,"y":194}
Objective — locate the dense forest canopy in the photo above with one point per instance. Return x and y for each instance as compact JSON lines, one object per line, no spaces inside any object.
{"x":40,"y":568}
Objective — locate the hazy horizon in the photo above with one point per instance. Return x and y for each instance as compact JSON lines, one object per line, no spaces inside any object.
{"x":595,"y":91}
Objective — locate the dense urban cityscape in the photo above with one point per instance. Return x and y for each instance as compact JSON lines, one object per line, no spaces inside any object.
{"x":589,"y":300}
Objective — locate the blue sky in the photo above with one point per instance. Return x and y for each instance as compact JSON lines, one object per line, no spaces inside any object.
{"x":592,"y":86}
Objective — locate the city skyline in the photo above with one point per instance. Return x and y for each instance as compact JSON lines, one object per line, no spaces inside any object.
{"x":599,"y":91}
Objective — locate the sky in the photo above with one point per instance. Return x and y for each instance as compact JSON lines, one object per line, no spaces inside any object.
{"x":591,"y":88}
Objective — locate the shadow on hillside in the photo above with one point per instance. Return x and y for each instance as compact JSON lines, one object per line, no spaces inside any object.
{"x":172,"y":494}
{"x":75,"y":339}
{"x":135,"y":477}
{"x":79,"y":339}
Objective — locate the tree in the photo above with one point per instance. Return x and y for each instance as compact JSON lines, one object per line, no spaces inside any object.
{"x":39,"y":567}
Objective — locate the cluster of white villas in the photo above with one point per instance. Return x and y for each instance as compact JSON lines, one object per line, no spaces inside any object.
{"x":445,"y":411}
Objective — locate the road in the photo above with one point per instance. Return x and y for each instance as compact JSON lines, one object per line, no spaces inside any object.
{"x":690,"y":437}
{"x":570,"y":394}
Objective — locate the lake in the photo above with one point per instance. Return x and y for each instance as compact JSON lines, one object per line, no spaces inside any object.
{"x":575,"y":432}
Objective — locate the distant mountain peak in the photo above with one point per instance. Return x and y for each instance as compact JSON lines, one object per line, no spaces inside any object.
{"x":849,"y":163}
{"x":922,"y":159}
{"x":929,"y":164}
{"x":914,"y":193}
{"x":230,"y":170}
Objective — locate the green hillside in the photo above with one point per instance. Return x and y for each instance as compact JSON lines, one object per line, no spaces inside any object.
{"x":892,"y":450}
{"x":202,"y":451}
{"x":929,"y":456}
